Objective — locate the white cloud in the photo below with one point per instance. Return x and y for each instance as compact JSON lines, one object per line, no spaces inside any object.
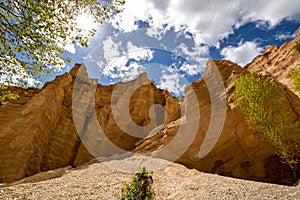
{"x":131,"y":46}
{"x":14,"y":80}
{"x":241,"y":54}
{"x":196,"y":53}
{"x":170,"y":80}
{"x":191,"y":69}
{"x":119,"y":67}
{"x":111,"y":49}
{"x":156,"y":32}
{"x":11,"y":75}
{"x":132,"y":71}
{"x":132,"y":11}
{"x":197,"y":57}
{"x":119,"y":70}
{"x":272,"y":11}
{"x":285,"y":36}
{"x":209,"y":21}
{"x":31,"y":82}
{"x":66,"y":45}
{"x":70,"y":48}
{"x":138,"y":53}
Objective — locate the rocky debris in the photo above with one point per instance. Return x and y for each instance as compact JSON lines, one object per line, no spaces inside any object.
{"x":237,"y":152}
{"x":43,"y":176}
{"x":38,"y":132}
{"x":99,"y":181}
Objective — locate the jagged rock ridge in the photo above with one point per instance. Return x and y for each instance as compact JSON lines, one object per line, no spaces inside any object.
{"x":237,"y":153}
{"x":38,"y":132}
{"x":278,"y":62}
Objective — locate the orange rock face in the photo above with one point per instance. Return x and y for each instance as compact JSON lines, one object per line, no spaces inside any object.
{"x":73,"y":120}
{"x":278,"y":62}
{"x":237,"y":152}
{"x":38,"y":132}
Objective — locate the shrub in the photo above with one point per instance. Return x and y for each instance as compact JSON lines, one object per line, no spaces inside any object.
{"x":262,"y":106}
{"x":179,"y":99}
{"x":6,"y":94}
{"x":295,"y":75}
{"x":140,"y":187}
{"x":297,"y":46}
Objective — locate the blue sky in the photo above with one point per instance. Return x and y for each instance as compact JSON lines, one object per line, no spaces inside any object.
{"x":171,"y":40}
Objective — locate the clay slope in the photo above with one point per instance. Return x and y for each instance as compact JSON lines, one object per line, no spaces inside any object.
{"x":38,"y":133}
{"x":237,"y":152}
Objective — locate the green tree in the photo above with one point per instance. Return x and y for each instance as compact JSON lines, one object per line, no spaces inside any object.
{"x":261,"y":102}
{"x":34,"y":33}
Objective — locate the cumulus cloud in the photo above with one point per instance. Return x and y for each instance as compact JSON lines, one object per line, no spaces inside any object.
{"x":119,"y":69}
{"x":271,"y":11}
{"x":194,"y":53}
{"x":285,"y":36}
{"x":138,"y":53}
{"x":196,"y":56}
{"x":124,"y":67}
{"x":208,"y":21}
{"x":191,"y":69}
{"x":188,"y":29}
{"x":170,"y":80}
{"x":241,"y":54}
{"x":70,"y":48}
{"x":111,"y":49}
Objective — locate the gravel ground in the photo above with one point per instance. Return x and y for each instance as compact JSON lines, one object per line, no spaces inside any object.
{"x":101,"y":181}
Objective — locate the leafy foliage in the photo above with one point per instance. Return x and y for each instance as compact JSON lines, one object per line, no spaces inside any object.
{"x":139,"y":188}
{"x":179,"y":99}
{"x":34,"y":34}
{"x":261,"y":103}
{"x":295,"y":75}
{"x":6,"y":94}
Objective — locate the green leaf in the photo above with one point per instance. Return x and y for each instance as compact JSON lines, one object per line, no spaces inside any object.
{"x":30,"y":31}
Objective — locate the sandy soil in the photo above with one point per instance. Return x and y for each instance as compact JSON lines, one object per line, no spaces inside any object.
{"x":102,"y":181}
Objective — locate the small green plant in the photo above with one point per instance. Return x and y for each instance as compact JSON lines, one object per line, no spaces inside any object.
{"x":297,"y":46}
{"x":295,"y":75}
{"x":151,"y":80}
{"x":140,"y":187}
{"x":6,"y":94}
{"x":179,"y":99}
{"x":261,"y":103}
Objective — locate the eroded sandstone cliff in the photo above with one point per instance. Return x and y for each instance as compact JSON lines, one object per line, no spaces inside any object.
{"x":238,"y":152}
{"x":71,"y":120}
{"x":38,"y":132}
{"x":278,"y":62}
